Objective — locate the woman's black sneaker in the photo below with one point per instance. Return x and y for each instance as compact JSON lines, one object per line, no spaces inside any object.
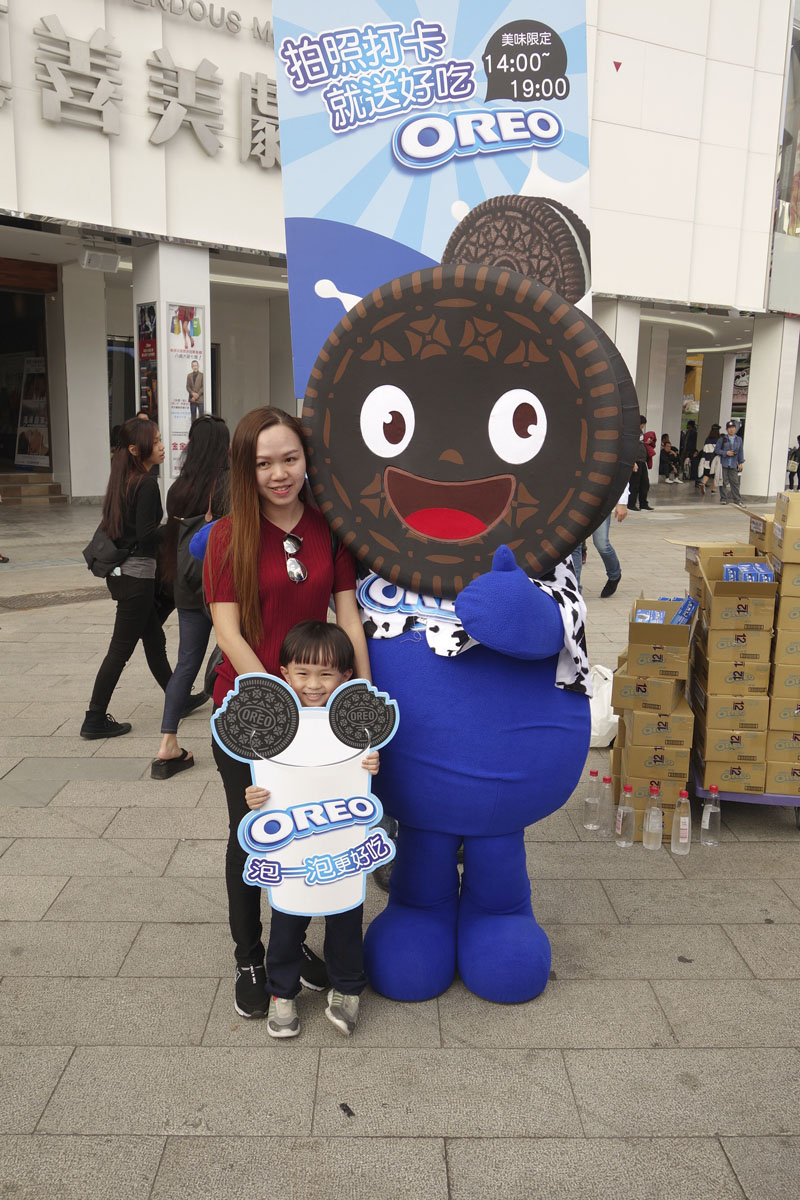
{"x":102,"y":725}
{"x":314,"y":973}
{"x":250,"y":992}
{"x":196,"y":700}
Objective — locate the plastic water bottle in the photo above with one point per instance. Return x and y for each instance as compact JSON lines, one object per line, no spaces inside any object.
{"x":591,"y":803}
{"x":626,"y":818}
{"x":653,"y":827}
{"x":606,"y":814}
{"x":682,"y":826}
{"x":709,"y":826}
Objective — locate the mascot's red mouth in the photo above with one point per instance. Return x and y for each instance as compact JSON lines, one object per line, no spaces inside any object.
{"x":448,"y":512}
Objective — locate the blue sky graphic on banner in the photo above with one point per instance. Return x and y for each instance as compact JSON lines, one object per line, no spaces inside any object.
{"x":399,"y":118}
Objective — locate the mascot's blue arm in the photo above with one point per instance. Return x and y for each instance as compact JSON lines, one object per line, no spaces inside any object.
{"x":506,"y":612}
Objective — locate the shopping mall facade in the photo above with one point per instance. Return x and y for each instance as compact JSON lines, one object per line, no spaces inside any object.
{"x":141,"y":220}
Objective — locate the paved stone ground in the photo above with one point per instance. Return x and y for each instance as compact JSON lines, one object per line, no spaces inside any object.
{"x":662,"y":1061}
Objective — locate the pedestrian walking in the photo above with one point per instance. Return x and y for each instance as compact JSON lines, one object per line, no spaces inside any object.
{"x":731,"y":454}
{"x":792,"y":466}
{"x":602,"y":544}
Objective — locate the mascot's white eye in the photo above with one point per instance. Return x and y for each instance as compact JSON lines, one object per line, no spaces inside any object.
{"x":517,"y":426}
{"x":387,"y":421}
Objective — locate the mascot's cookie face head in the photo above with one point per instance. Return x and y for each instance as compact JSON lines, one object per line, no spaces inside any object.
{"x":460,"y":408}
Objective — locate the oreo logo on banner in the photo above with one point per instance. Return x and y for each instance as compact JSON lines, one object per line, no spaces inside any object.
{"x":430,"y":140}
{"x":259,"y":719}
{"x":362,"y":717}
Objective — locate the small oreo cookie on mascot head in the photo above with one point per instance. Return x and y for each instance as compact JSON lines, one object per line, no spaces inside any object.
{"x":360,"y":716}
{"x":534,"y":235}
{"x":461,"y":408}
{"x":259,"y":719}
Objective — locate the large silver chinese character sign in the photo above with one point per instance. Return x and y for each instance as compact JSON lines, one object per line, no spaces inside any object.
{"x":183,"y":97}
{"x":80,"y":80}
{"x":260,"y":136}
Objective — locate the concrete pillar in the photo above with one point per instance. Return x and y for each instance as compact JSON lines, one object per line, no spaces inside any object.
{"x":166,"y":275}
{"x":716,"y":390}
{"x":656,"y":388}
{"x":770,"y":401}
{"x":673,"y":393}
{"x":84,"y":302}
{"x":620,"y":320}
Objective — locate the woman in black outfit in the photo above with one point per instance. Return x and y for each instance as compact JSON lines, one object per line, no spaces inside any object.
{"x":132,"y":515}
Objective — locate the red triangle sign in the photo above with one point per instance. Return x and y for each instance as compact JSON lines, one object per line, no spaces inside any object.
{"x":617,"y":66}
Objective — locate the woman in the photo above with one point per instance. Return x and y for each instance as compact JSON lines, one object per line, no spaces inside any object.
{"x":200,"y":489}
{"x":270,"y":564}
{"x":705,"y":466}
{"x":132,"y":515}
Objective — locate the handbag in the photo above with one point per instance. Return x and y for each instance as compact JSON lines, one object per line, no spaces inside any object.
{"x":196,"y":327}
{"x":188,"y":568}
{"x":176,"y":325}
{"x":103,"y":555}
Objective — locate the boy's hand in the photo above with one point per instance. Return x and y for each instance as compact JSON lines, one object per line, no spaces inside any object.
{"x":371,"y":762}
{"x":255,"y":797}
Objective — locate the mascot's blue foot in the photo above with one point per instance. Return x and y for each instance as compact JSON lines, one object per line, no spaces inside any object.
{"x":410,"y":953}
{"x":502,"y":957}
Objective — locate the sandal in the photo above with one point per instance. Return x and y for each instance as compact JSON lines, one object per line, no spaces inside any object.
{"x":165,"y":768}
{"x":3,"y":558}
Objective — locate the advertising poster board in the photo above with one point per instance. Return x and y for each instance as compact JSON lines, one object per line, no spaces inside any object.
{"x":147,"y":358}
{"x":33,"y":431}
{"x":187,"y":373}
{"x":400,"y":121}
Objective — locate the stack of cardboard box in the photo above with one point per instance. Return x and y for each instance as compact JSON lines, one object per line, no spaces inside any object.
{"x":730,"y":676}
{"x":655,"y":730}
{"x":783,"y":735}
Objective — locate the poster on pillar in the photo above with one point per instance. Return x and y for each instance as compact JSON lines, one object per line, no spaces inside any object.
{"x":33,"y":429}
{"x":415,"y":133}
{"x":147,"y":359}
{"x":185,"y":340}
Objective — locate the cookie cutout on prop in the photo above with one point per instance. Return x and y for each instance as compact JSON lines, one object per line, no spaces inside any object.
{"x":534,"y":235}
{"x":359,"y":716}
{"x":258,"y":719}
{"x":461,"y":408}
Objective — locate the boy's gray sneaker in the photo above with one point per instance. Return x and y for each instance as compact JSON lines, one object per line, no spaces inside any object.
{"x":342,"y":1011}
{"x":282,"y":1019}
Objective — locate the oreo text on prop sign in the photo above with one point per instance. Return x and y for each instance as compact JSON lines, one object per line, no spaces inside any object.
{"x":461,"y":408}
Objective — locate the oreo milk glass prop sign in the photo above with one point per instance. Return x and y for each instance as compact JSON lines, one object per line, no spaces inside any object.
{"x":315,"y":840}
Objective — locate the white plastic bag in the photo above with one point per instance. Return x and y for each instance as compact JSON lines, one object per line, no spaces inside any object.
{"x":604,"y":721}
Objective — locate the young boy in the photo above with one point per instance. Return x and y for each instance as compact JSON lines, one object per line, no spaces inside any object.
{"x":315,"y":659}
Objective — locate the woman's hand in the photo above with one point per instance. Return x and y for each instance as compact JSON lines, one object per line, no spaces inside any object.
{"x":257,"y":797}
{"x":370,"y":762}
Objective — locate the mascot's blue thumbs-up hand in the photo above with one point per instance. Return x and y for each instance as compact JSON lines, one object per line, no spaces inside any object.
{"x":505,"y":611}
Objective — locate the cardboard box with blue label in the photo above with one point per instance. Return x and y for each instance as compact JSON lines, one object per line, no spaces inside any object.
{"x":783,"y":745}
{"x":734,"y":604}
{"x":698,"y":555}
{"x":731,"y":745}
{"x":674,"y":729}
{"x":658,"y":638}
{"x":728,"y":712}
{"x":784,"y":712}
{"x":655,"y":762}
{"x":642,"y":692}
{"x":731,"y":777}
{"x":726,"y":645}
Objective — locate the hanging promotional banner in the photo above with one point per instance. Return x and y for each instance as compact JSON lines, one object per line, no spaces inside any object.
{"x":186,"y":339}
{"x":314,"y":842}
{"x":147,"y":358}
{"x":416,"y":133}
{"x":33,"y":430}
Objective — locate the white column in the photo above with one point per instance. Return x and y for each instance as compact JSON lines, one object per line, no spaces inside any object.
{"x":673,"y":393}
{"x":84,"y":301}
{"x":620,"y":320}
{"x":656,"y":388}
{"x":770,"y":401}
{"x":164,"y":275}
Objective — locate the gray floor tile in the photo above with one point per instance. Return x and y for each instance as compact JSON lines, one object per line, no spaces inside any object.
{"x":8,"y":763}
{"x":743,"y":860}
{"x":132,"y":899}
{"x":85,"y":856}
{"x":52,"y":823}
{"x":444,"y":1093}
{"x":88,"y":769}
{"x":106,"y":1012}
{"x":381,"y":1023}
{"x":213,"y":795}
{"x":771,"y":951}
{"x":63,"y":948}
{"x":27,"y":898}
{"x":760,"y":822}
{"x":194,"y":1091}
{"x":582,"y":860}
{"x":44,"y":747}
{"x":695,"y":901}
{"x":4,"y":845}
{"x":32,"y":726}
{"x":192,"y":858}
{"x":741,"y":1012}
{"x":130,"y":793}
{"x":179,"y":951}
{"x":645,"y":952}
{"x":85,"y":1168}
{"x":768,"y":1168}
{"x":571,"y":902}
{"x":555,"y":828}
{"x":560,"y":1169}
{"x":586,"y":1013}
{"x":166,"y":822}
{"x":688,"y":1093}
{"x":303,"y":1169}
{"x":130,"y":746}
{"x":29,"y":1075}
{"x":792,"y":889}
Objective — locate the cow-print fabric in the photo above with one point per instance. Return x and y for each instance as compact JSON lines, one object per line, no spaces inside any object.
{"x":447,"y":637}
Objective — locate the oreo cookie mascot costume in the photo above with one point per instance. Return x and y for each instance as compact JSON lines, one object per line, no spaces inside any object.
{"x":469,"y":427}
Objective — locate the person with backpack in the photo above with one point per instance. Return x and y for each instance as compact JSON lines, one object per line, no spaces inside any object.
{"x":792,"y":466}
{"x":198,"y":495}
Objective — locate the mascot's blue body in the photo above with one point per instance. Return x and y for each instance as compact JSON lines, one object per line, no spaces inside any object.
{"x":487,"y":744}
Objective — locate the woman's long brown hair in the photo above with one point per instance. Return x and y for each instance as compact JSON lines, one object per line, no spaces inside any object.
{"x":245,"y":518}
{"x":127,"y":471}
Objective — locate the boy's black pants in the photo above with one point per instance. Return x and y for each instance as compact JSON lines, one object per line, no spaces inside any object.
{"x":344,"y":952}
